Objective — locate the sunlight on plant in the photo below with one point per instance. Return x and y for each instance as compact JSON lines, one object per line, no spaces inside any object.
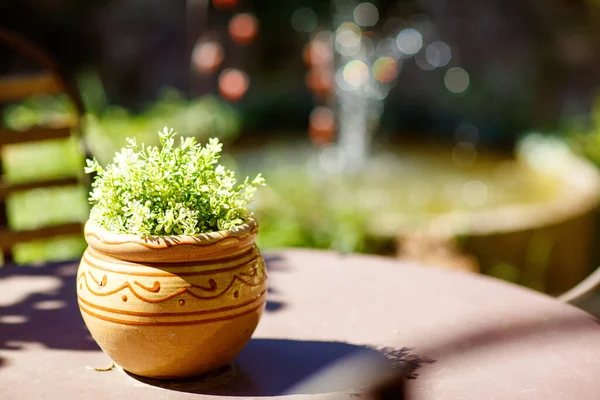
{"x":171,"y":190}
{"x":201,"y":118}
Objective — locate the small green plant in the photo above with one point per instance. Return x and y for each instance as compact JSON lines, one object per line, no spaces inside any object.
{"x":171,"y":190}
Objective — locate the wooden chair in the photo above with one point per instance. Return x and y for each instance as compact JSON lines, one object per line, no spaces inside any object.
{"x":14,"y":88}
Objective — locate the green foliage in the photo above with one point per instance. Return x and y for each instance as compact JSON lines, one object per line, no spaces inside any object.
{"x":152,"y":191}
{"x":201,"y":118}
{"x":299,"y":212}
{"x":306,"y":207}
{"x":105,"y":127}
{"x":39,"y":110}
{"x":584,"y":135}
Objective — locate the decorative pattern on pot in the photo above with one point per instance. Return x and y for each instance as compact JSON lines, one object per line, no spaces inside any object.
{"x":172,"y":319}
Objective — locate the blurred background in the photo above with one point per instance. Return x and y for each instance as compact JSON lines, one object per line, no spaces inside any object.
{"x":462,"y":134}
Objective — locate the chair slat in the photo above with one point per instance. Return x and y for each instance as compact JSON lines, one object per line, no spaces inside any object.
{"x":7,"y":188}
{"x":19,"y":87}
{"x":9,"y":238}
{"x":8,"y":136}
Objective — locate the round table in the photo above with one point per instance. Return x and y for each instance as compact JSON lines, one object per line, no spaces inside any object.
{"x":332,"y":322}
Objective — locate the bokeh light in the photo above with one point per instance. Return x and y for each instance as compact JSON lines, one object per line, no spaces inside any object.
{"x":319,"y":80}
{"x":422,"y":24}
{"x":409,"y":41}
{"x":456,"y":80}
{"x":420,"y":193}
{"x":340,"y":81}
{"x":366,"y":49}
{"x":385,"y":69}
{"x":224,"y":4}
{"x":475,"y":193}
{"x":356,"y":73}
{"x":348,"y":35}
{"x":321,"y":125}
{"x":332,"y":158}
{"x":243,"y":28}
{"x":233,"y":84}
{"x":366,"y":14}
{"x":304,"y":20}
{"x":323,"y":37}
{"x":438,"y":54}
{"x":318,"y":51}
{"x":207,"y":56}
{"x":422,"y":62}
{"x":387,"y":47}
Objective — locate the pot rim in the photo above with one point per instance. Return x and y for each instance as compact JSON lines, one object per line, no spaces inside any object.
{"x":95,"y":230}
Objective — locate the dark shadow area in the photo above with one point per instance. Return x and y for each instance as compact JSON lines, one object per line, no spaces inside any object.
{"x":2,"y":362}
{"x":272,"y":290}
{"x":274,"y":262}
{"x":272,"y":367}
{"x":393,"y":388}
{"x":39,"y":305}
{"x":403,"y":361}
{"x":273,"y":306}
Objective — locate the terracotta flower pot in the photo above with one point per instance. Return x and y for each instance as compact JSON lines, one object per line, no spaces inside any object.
{"x":172,"y":307}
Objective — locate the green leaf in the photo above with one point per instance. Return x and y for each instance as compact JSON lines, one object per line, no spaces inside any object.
{"x":182,"y":189}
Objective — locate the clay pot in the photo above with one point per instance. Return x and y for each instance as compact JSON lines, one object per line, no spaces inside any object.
{"x":172,"y":307}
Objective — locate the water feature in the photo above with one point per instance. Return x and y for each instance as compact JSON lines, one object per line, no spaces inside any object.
{"x":508,"y":209}
{"x":365,"y":55}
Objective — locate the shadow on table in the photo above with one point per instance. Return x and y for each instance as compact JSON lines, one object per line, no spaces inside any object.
{"x":38,"y":306}
{"x":274,"y":263}
{"x":272,"y":367}
{"x":274,"y":306}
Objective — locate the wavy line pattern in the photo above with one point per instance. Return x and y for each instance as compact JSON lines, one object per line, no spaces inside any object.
{"x":155,"y":288}
{"x":101,"y":282}
{"x":212,"y":283}
{"x":212,"y":286}
{"x":170,"y":314}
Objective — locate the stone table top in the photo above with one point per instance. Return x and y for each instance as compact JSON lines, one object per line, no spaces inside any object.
{"x":333,"y":323}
